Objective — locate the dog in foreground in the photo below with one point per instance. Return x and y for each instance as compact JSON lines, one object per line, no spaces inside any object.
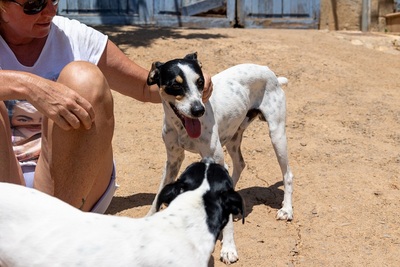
{"x":39,"y":230}
{"x":241,"y":94}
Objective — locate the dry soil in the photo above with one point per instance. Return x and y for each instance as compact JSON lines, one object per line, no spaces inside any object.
{"x":343,"y":126}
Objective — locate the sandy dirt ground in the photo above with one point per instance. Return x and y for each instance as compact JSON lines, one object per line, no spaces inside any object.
{"x":343,"y":126}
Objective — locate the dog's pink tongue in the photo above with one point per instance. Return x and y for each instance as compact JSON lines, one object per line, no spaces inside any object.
{"x":193,"y":127}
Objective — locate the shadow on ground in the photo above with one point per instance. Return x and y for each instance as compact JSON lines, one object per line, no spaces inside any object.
{"x":271,"y":196}
{"x":135,"y":36}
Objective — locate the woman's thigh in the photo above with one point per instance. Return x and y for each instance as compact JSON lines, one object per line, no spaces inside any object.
{"x":76,"y":165}
{"x":10,"y":170}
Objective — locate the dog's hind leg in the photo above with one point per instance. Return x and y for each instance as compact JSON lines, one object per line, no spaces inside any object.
{"x":234,"y":151}
{"x":274,"y":111}
{"x":279,"y":142}
{"x":234,"y":145}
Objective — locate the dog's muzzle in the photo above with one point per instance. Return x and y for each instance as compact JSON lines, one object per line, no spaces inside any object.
{"x":192,"y":125}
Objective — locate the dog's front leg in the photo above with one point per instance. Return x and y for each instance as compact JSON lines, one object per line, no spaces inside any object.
{"x":228,"y":251}
{"x":210,"y":146}
{"x":175,"y":157}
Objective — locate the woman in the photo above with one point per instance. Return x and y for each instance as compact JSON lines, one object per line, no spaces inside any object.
{"x":65,"y":70}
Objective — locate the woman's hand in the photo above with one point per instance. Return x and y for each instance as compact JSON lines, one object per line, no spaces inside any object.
{"x":61,"y":104}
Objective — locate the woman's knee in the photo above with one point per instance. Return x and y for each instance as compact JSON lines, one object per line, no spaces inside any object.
{"x":87,"y":79}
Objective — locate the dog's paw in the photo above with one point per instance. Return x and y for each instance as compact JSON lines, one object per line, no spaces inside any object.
{"x":229,"y":254}
{"x":284,"y":214}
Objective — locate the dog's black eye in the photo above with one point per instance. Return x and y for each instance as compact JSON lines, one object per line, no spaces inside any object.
{"x":200,"y":83}
{"x":176,"y":86}
{"x":175,"y":89}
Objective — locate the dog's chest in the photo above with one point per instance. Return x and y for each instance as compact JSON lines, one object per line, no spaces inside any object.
{"x":175,"y":135}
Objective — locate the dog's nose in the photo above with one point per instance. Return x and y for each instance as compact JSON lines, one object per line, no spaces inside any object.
{"x":197,"y":109}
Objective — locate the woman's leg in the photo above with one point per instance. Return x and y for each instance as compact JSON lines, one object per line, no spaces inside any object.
{"x":10,"y":171}
{"x":76,"y":165}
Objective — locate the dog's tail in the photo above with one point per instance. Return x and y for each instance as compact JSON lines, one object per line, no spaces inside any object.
{"x":283,"y":80}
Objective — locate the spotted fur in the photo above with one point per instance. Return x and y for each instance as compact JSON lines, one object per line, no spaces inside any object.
{"x":241,"y":94}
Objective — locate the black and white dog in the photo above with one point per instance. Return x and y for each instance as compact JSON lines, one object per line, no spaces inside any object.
{"x":39,"y":230}
{"x":241,"y":93}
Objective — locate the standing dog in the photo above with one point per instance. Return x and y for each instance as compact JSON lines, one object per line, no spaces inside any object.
{"x":39,"y":230}
{"x":241,"y":94}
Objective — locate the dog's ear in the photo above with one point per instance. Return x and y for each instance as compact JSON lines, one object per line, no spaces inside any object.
{"x":169,"y":193}
{"x":234,"y":203}
{"x":154,"y":74}
{"x":193,"y":56}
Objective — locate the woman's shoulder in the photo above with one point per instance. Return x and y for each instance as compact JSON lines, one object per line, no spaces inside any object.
{"x":65,"y":23}
{"x":86,"y":42}
{"x":73,"y":28}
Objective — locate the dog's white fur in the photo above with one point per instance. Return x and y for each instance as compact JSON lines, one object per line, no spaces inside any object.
{"x":236,"y":91}
{"x":39,"y":230}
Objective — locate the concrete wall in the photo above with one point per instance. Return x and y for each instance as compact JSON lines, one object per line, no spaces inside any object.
{"x":346,"y":14}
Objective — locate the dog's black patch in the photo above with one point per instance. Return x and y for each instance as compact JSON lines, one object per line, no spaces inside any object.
{"x":165,"y":75}
{"x":220,"y":201}
{"x":253,"y":113}
{"x":189,"y":180}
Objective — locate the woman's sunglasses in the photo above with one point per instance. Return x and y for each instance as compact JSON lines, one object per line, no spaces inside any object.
{"x":32,"y":7}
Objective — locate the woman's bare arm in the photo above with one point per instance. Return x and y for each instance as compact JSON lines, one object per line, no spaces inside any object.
{"x":128,"y":78}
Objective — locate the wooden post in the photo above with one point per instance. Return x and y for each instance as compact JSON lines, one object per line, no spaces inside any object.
{"x":366,"y":15}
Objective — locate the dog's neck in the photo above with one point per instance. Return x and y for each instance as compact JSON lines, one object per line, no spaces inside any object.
{"x":170,"y":118}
